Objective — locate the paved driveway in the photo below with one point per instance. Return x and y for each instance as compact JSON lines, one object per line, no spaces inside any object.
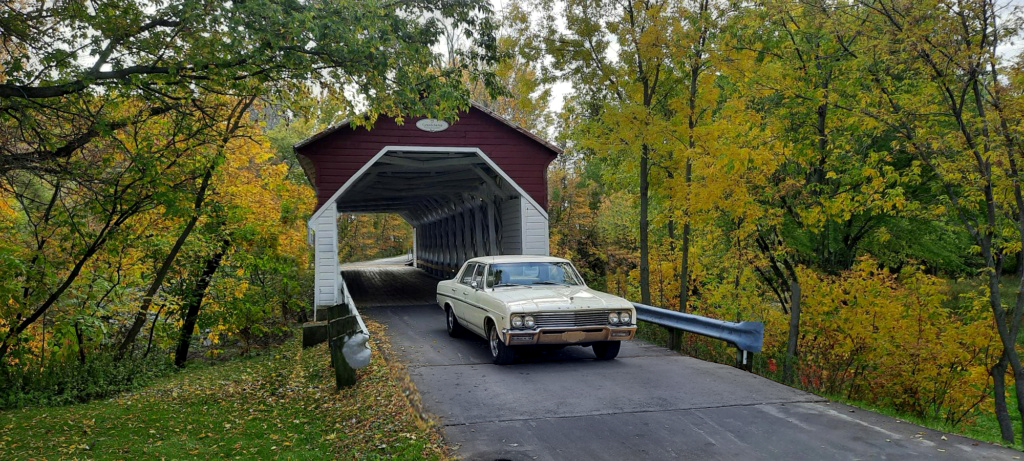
{"x":650,"y":403}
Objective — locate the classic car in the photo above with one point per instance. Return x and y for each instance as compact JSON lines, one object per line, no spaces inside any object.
{"x":520,"y":301}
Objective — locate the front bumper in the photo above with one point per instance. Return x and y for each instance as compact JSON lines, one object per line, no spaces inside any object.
{"x":576,"y":335}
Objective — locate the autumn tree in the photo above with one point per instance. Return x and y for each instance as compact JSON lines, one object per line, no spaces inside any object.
{"x":525,"y":94}
{"x":616,"y":54}
{"x":60,"y":58}
{"x":83,"y":201}
{"x":89,"y":91}
{"x":937,"y":78}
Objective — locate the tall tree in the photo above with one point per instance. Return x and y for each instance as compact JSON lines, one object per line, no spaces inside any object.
{"x":616,"y":52}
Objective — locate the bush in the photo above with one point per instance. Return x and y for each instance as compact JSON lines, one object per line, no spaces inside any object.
{"x":73,"y":382}
{"x":875,"y":337}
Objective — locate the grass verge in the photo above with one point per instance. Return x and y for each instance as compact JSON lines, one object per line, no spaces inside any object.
{"x":281,"y":404}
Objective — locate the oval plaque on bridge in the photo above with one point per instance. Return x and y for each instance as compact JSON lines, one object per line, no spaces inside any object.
{"x":432,"y":125}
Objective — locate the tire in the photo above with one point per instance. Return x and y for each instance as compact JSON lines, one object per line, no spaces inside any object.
{"x":607,"y":350}
{"x":500,"y":353}
{"x":455,"y":329}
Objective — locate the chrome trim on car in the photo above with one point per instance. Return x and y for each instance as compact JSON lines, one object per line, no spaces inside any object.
{"x":573,"y":319}
{"x":555,"y":335}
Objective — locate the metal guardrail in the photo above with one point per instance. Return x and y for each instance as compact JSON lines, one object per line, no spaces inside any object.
{"x":748,"y":337}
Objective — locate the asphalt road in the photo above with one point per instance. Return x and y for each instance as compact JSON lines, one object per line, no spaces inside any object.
{"x":650,"y":403}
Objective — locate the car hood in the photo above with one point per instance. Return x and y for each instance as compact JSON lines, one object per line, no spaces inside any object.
{"x":537,"y":298}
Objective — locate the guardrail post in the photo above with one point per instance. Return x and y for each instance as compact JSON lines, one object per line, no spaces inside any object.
{"x":675,"y":339}
{"x":341,"y":325}
{"x":744,"y":360}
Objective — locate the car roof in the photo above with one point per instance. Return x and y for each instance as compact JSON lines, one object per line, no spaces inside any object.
{"x":517,"y":259}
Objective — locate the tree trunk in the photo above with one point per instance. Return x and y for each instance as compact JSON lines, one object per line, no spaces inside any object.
{"x":165,"y":267}
{"x":152,"y":328}
{"x":195,"y":301}
{"x":684,"y":263}
{"x":998,"y":373}
{"x":80,"y":339}
{"x":794,"y":331}
{"x":671,"y":238}
{"x":645,"y":268}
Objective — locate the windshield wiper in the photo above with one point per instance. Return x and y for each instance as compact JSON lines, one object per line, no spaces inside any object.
{"x":508,"y":285}
{"x":550,"y":283}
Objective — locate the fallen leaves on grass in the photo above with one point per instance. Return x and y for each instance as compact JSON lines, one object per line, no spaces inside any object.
{"x":280,"y":405}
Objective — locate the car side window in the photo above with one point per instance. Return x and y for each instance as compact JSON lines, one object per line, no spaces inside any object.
{"x":468,"y":273}
{"x":479,"y":277}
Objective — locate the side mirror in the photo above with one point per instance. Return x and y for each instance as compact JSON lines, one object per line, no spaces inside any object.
{"x":475,"y":285}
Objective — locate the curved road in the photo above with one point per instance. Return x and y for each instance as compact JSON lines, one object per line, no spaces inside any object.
{"x":650,"y":403}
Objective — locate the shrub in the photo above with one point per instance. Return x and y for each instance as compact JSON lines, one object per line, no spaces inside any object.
{"x":874,"y":336}
{"x":72,"y":382}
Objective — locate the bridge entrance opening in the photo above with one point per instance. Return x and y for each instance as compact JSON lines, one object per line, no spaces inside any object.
{"x":471,"y":188}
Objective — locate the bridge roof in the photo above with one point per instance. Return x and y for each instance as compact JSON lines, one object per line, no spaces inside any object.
{"x":404,"y":169}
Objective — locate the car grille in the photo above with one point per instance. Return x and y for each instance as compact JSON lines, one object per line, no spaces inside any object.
{"x":571,"y":319}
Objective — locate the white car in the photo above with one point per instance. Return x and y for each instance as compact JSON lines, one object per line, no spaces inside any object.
{"x":515,"y":301}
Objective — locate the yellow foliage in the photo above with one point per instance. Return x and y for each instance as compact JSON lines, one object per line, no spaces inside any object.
{"x":875,"y":336}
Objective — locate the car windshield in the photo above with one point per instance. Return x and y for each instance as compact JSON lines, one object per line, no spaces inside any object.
{"x":532,"y":273}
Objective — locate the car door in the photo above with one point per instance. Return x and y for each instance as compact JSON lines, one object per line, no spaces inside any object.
{"x":476,"y":311}
{"x":460,"y":290}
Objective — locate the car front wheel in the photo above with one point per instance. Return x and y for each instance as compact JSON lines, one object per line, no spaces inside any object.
{"x":455,"y":329}
{"x":607,"y":350}
{"x":500,"y":353}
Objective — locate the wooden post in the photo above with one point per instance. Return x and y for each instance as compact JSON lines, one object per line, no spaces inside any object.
{"x":341,"y":325}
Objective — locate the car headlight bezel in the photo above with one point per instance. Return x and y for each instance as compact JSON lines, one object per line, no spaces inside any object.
{"x":529,"y":321}
{"x":626,"y":318}
{"x":613,"y":318}
{"x":517,"y":321}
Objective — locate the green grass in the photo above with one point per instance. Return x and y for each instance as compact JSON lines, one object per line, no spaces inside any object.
{"x":279,"y":405}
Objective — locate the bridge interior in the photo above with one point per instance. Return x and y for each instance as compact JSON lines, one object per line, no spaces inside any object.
{"x":460,"y":203}
{"x":452,"y":200}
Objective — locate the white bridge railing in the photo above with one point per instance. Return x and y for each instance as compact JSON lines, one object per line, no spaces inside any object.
{"x":346,"y":298}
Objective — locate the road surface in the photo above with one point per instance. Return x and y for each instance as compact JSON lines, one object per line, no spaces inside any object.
{"x":650,"y":403}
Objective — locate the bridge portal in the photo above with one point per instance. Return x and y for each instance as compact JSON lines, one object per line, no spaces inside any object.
{"x":471,"y":188}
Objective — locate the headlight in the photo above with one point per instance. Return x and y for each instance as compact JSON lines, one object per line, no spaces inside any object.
{"x":613,"y":318}
{"x":624,"y":318}
{"x":517,"y":321}
{"x":529,"y":322}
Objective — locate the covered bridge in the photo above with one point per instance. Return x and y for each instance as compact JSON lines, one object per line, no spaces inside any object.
{"x":471,"y":188}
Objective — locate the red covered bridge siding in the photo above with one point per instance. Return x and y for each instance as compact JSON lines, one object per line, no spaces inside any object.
{"x":477,"y":186}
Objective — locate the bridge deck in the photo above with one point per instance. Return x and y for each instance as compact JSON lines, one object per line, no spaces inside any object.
{"x":649,"y":403}
{"x":389,"y":284}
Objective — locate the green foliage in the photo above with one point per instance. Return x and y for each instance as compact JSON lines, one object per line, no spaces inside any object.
{"x":71,"y":382}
